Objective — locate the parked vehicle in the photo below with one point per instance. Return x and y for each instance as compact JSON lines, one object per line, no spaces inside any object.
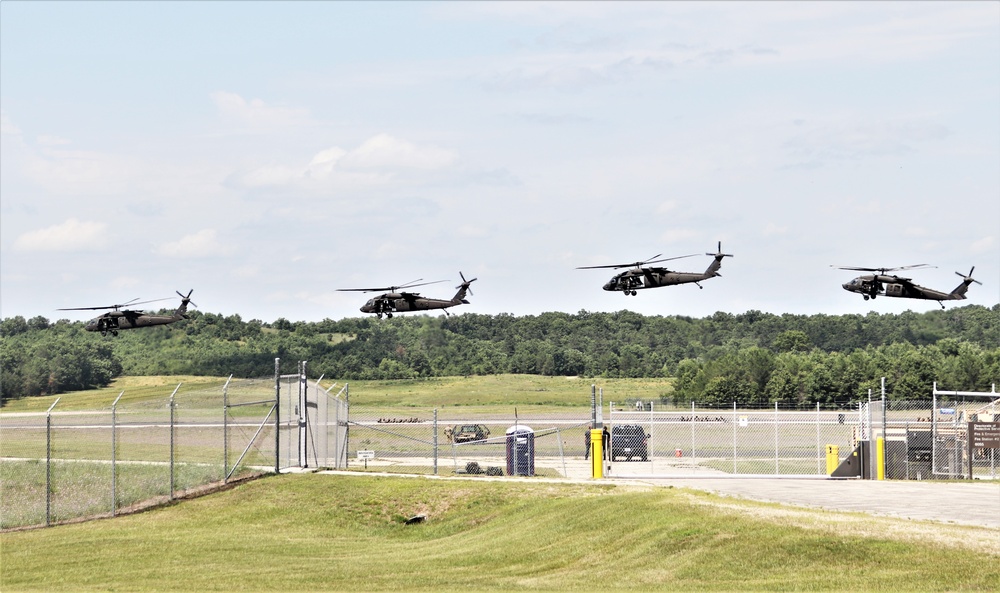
{"x":465,"y":433}
{"x":629,"y":441}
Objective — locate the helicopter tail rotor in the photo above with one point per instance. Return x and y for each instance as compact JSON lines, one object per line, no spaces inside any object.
{"x":186,"y":299}
{"x":719,"y":253}
{"x":969,"y":277}
{"x":466,"y":283}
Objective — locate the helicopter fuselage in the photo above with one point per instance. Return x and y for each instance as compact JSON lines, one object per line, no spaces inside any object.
{"x":116,"y":321}
{"x":398,"y":303}
{"x":651,"y":278}
{"x":872,"y":286}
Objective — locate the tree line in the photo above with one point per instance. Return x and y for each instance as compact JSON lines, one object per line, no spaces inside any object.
{"x":751,"y":357}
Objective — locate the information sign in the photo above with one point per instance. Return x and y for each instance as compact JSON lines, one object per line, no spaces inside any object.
{"x":984,"y":434}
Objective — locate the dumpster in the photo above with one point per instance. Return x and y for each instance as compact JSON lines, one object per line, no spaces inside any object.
{"x":520,"y":451}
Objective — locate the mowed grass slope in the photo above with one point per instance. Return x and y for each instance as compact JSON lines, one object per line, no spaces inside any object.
{"x":336,"y":533}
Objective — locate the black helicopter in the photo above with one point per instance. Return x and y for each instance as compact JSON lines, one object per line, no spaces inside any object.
{"x":396,"y":301}
{"x":882,"y":284}
{"x":639,"y":277}
{"x":122,"y":319}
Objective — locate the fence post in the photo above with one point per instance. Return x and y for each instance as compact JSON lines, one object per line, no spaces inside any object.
{"x":435,"y":441}
{"x":735,"y":421}
{"x":562,"y":456}
{"x":172,"y":440}
{"x":776,"y":470}
{"x":225,"y":431}
{"x":934,"y":431}
{"x":819,"y":468}
{"x":880,"y":451}
{"x":114,"y":455}
{"x":277,"y":415}
{"x":48,"y":463}
{"x":693,"y":455}
{"x":347,"y":426}
{"x":303,"y":418}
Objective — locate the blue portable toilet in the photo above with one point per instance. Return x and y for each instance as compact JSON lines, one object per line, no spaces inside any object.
{"x":520,"y":451}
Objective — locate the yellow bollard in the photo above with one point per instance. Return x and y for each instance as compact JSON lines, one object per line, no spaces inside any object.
{"x":880,"y":457}
{"x":832,"y":459}
{"x":597,"y":452}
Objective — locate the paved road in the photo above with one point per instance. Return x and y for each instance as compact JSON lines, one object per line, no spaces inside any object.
{"x":960,"y":503}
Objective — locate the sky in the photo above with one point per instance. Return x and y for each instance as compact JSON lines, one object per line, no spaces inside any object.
{"x":266,"y":154}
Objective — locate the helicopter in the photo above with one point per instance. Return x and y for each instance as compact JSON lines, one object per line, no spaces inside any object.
{"x":639,"y":277}
{"x":122,"y":319}
{"x":395,"y":301}
{"x":872,"y":285}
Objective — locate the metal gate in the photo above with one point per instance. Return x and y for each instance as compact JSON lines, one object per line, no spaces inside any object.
{"x":725,"y":442}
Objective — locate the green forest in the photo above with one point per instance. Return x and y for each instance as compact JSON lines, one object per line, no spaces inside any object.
{"x":748,"y":358}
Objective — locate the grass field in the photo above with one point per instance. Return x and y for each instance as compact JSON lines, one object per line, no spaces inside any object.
{"x":333,"y":533}
{"x":493,"y":390}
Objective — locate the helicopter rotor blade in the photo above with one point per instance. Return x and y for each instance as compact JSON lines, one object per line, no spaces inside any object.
{"x":884,"y":270}
{"x":132,"y":302}
{"x":656,"y":261}
{"x":637,"y":264}
{"x":410,"y":284}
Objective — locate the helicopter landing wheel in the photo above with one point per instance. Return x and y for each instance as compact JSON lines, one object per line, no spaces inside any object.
{"x":633,"y":293}
{"x":114,"y":332}
{"x":379,"y":315}
{"x":388,"y":315}
{"x":866,"y":297}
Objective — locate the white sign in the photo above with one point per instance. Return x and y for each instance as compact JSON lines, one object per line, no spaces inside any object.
{"x":744,"y":422}
{"x":366,"y":454}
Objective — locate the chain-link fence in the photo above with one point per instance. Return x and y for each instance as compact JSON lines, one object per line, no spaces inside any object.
{"x":61,"y":465}
{"x":924,"y":440}
{"x":724,"y":441}
{"x":468,"y":440}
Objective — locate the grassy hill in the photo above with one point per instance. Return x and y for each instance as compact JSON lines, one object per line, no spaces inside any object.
{"x":490,"y":390}
{"x":336,"y":533}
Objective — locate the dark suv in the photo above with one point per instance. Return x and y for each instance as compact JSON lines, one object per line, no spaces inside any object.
{"x":628,"y":441}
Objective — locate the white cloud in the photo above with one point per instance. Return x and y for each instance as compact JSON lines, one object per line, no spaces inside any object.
{"x":667,"y":207}
{"x":678,"y":235}
{"x":7,"y":127}
{"x":848,"y":140}
{"x":48,"y":140}
{"x":984,"y":245}
{"x":472,"y":231}
{"x":122,"y":282}
{"x":385,"y":152}
{"x":246,"y":272}
{"x":72,"y":235}
{"x":204,"y":243}
{"x":376,"y":161}
{"x":772,"y":229}
{"x":255,"y":113}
